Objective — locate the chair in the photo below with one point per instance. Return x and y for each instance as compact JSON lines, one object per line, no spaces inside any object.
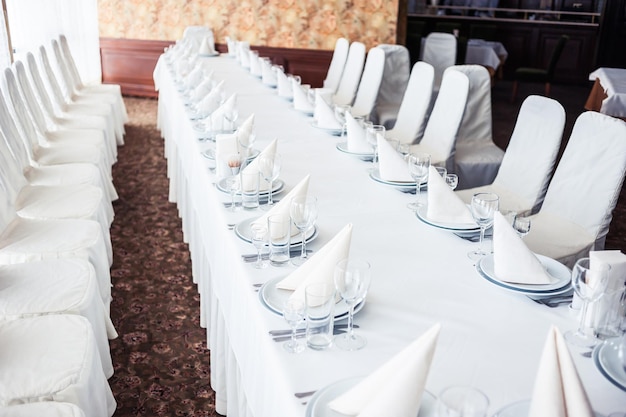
{"x":351,"y":75}
{"x":577,"y":211}
{"x":395,"y":79}
{"x":440,"y":52}
{"x":42,"y":409}
{"x":337,"y":64}
{"x":53,"y":358}
{"x":477,"y":158}
{"x":540,"y":75}
{"x":413,"y":111}
{"x":365,"y":98}
{"x":443,"y":124}
{"x":529,"y":159}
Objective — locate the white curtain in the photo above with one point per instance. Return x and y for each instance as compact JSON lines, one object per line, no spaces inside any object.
{"x":5,"y":53}
{"x":35,"y":22}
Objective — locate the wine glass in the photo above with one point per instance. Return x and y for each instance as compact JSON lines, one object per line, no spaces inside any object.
{"x":442,"y":171}
{"x":521,"y":225}
{"x":303,"y":212}
{"x":269,"y":167}
{"x":258,"y":235}
{"x":372,"y":132}
{"x":293,"y":312}
{"x":246,"y":142}
{"x":462,"y":401}
{"x":234,"y":164}
{"x":452,"y":180}
{"x":231,"y":116}
{"x":483,"y":207}
{"x":352,"y":280}
{"x":589,"y":285}
{"x":340,"y":115}
{"x":419,"y":164}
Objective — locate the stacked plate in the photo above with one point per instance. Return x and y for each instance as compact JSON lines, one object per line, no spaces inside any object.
{"x":403,"y":186}
{"x":343,"y":147}
{"x":460,"y":229}
{"x":606,"y":357}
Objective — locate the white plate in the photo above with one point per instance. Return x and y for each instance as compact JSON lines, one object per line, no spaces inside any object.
{"x":277,"y":187}
{"x":519,"y":409}
{"x":554,"y":268}
{"x":607,"y":360}
{"x":243,"y":231}
{"x":335,"y":132}
{"x":274,"y":299}
{"x":400,"y":185}
{"x":210,"y":154}
{"x":422,"y":214}
{"x":318,"y":405}
{"x":343,"y":147}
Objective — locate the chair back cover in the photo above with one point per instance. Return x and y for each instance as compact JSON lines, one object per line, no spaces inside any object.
{"x":66,"y":79}
{"x":395,"y":79}
{"x":337,"y":64}
{"x":39,"y":87}
{"x":23,"y":119}
{"x":440,"y":52}
{"x":29,"y":98}
{"x":531,"y":154}
{"x":443,"y":124}
{"x":10,"y":173}
{"x":365,"y":99}
{"x":69,"y":61}
{"x":56,"y":93}
{"x":20,"y":148}
{"x":351,"y":74}
{"x":415,"y":104}
{"x":588,"y":180}
{"x":196,"y":34}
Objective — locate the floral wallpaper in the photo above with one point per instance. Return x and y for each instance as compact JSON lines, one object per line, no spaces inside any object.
{"x":310,"y":24}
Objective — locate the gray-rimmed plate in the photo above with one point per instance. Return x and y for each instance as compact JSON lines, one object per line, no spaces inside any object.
{"x":404,"y":186}
{"x":242,"y":230}
{"x":210,"y":154}
{"x":277,"y":187}
{"x":422,"y":214}
{"x":520,"y":409}
{"x":607,"y":360}
{"x":332,"y":131}
{"x":343,"y":147}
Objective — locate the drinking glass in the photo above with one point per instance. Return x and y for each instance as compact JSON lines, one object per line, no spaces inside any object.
{"x":269,"y":166}
{"x":462,"y":401}
{"x":235,"y":163}
{"x":303,"y":212}
{"x":521,"y":225}
{"x":419,"y":164}
{"x":442,"y":171}
{"x":246,"y":142}
{"x":293,"y":312}
{"x":404,"y":149}
{"x":258,"y":235}
{"x":372,"y":132}
{"x":340,"y":115}
{"x":589,"y":285}
{"x":452,"y":180}
{"x":483,"y":207}
{"x":352,"y":280}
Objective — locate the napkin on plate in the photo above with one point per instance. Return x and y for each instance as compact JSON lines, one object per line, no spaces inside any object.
{"x":268,"y":76}
{"x":284,"y":85}
{"x":202,"y":89}
{"x":254,"y":165}
{"x":206,"y":48}
{"x":225,"y":144}
{"x":599,"y":309}
{"x":194,"y":77}
{"x":231,"y":45}
{"x":245,"y":130}
{"x":391,"y":165}
{"x":217,"y":116}
{"x":321,"y":266}
{"x":255,"y":63}
{"x":512,"y":260}
{"x":356,"y":140}
{"x":283,"y":206}
{"x":300,"y":98}
{"x":243,"y":57}
{"x":558,"y":390}
{"x":324,"y":114}
{"x":211,"y":101}
{"x":443,"y":204}
{"x":395,"y":388}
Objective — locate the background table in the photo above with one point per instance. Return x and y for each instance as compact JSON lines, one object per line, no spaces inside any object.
{"x":490,"y":338}
{"x":608,"y":94}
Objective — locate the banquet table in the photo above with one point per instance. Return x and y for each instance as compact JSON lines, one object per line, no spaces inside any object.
{"x":608,"y":94}
{"x":490,"y":338}
{"x":486,"y":53}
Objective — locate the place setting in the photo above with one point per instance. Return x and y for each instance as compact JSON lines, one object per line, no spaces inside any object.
{"x":324,"y":116}
{"x":356,"y":143}
{"x":390,"y":167}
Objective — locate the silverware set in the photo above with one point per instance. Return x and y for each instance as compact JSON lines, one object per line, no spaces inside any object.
{"x":301,"y":333}
{"x":251,"y":257}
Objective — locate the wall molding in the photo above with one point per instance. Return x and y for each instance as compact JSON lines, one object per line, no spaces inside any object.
{"x":130,"y":63}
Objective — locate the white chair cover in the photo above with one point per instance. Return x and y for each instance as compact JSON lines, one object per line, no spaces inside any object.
{"x":527,"y":165}
{"x":351,"y":74}
{"x":412,"y":115}
{"x":365,"y":99}
{"x":577,"y":210}
{"x":57,"y":286}
{"x":337,"y":64}
{"x":42,"y":409}
{"x":440,"y":52}
{"x":443,"y":124}
{"x":196,"y":34}
{"x":477,"y":158}
{"x":395,"y":80}
{"x":53,"y":357}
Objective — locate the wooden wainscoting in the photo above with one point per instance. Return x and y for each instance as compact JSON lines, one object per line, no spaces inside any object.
{"x":130,"y":63}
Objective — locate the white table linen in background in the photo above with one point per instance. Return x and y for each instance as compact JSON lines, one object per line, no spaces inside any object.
{"x":614,"y":82}
{"x":421,"y":275}
{"x":486,"y":53}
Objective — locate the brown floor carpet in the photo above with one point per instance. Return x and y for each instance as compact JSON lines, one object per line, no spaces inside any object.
{"x":161,"y":361}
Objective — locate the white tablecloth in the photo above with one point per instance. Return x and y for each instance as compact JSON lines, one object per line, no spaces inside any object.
{"x":613,"y":81}
{"x":491,"y":339}
{"x":486,"y":53}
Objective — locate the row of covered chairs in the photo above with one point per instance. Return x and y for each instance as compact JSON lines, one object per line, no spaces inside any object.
{"x":58,"y":142}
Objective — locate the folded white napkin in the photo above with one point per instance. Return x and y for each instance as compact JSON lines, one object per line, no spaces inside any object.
{"x":395,"y":388}
{"x":324,"y":114}
{"x":255,"y":63}
{"x":202,"y":89}
{"x":300,"y":98}
{"x":391,"y":164}
{"x":206,"y":47}
{"x":355,"y":136}
{"x":512,"y":260}
{"x":217,"y":116}
{"x":211,"y":101}
{"x":321,"y":267}
{"x":599,"y":309}
{"x":245,"y":130}
{"x":231,"y":45}
{"x":283,"y":85}
{"x":268,"y":76}
{"x":225,"y":144}
{"x":254,"y":165}
{"x":194,"y":77}
{"x":283,"y":206}
{"x":558,"y":390}
{"x":443,"y":204}
{"x":242,"y":55}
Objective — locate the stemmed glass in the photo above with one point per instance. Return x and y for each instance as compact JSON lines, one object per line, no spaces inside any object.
{"x":303,"y":212}
{"x":372,"y":132}
{"x":258,"y":235}
{"x":352,"y":280}
{"x":521,"y":225}
{"x":589,"y":285}
{"x":231,"y":116}
{"x":419,"y":164}
{"x":269,"y":167}
{"x":340,"y":115}
{"x":246,"y":142}
{"x":452,"y":180}
{"x":483,"y":207}
{"x":234,"y":163}
{"x":293,"y":312}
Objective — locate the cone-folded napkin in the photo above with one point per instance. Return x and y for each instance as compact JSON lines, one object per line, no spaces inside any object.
{"x":324,"y":114}
{"x":254,"y":165}
{"x":391,"y":164}
{"x":356,"y":139}
{"x":443,"y":204}
{"x":284,"y":205}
